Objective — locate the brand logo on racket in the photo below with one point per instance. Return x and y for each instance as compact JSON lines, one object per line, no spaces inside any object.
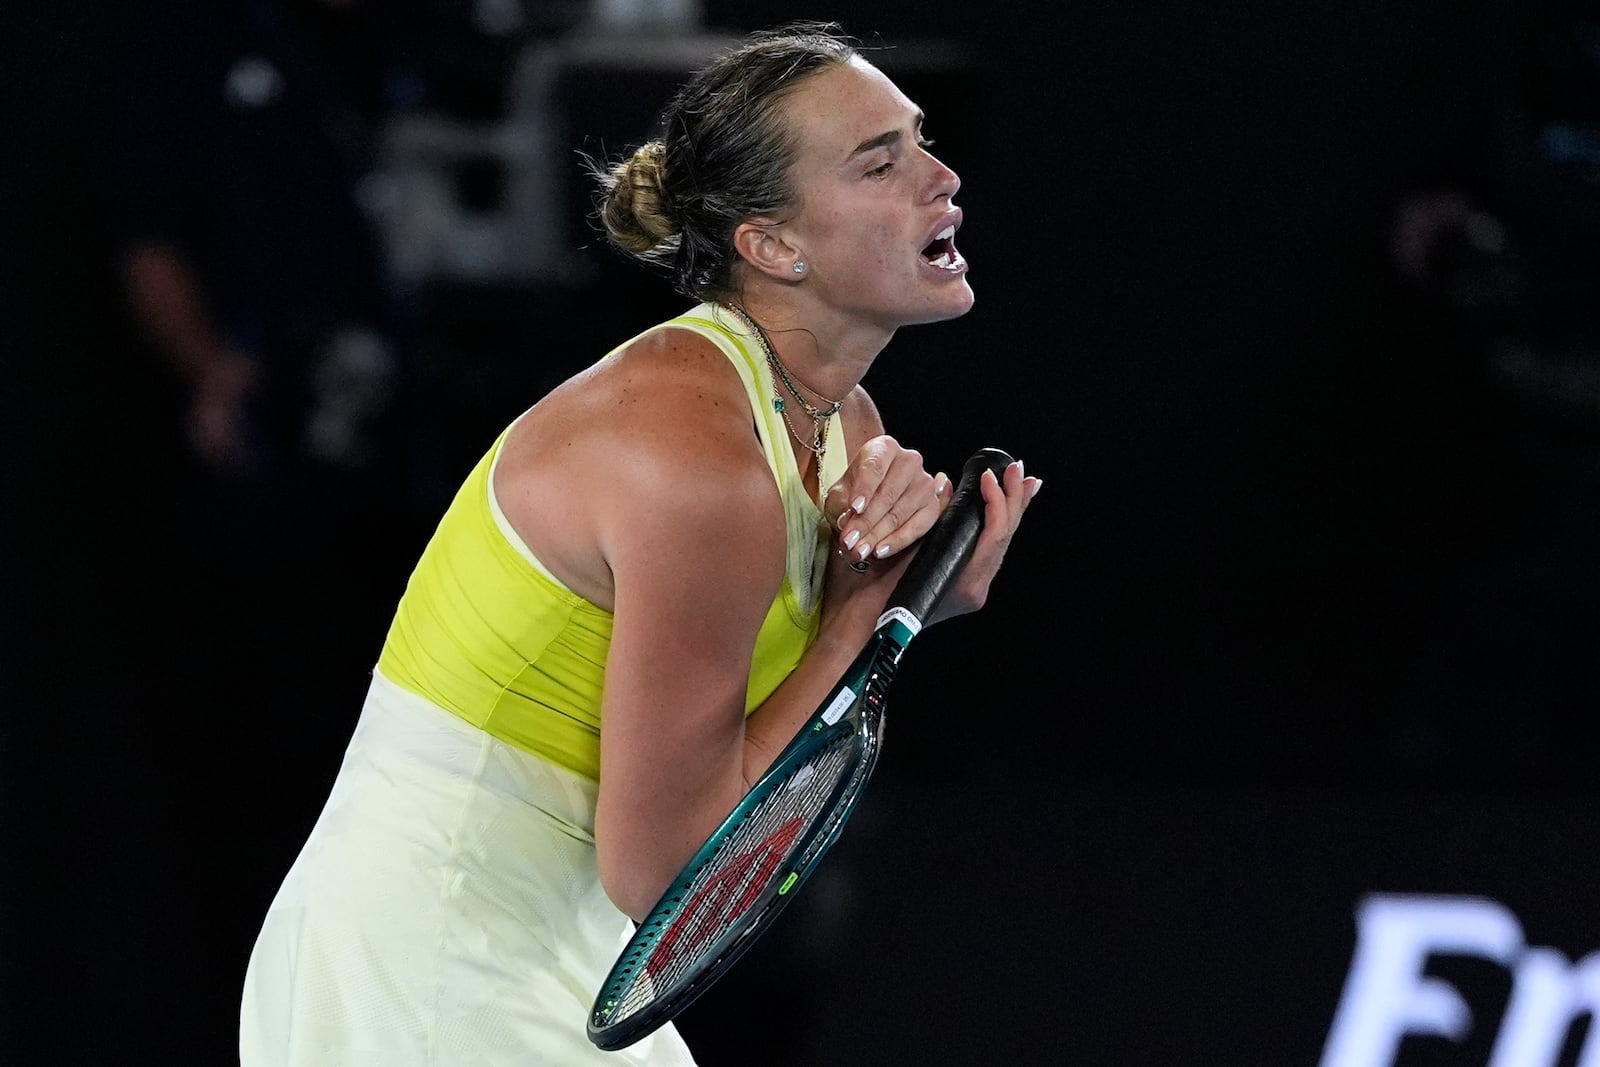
{"x":720,"y":903}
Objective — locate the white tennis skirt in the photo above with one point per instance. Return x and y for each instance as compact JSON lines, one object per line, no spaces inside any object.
{"x":445,"y":910}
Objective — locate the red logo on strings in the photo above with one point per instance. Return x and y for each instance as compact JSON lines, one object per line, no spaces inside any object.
{"x":720,"y":903}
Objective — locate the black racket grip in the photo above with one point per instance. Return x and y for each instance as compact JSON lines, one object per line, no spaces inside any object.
{"x":946,"y":548}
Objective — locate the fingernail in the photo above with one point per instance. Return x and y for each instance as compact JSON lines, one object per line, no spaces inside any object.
{"x":882,"y":549}
{"x":1037,"y":484}
{"x":851,"y":538}
{"x":859,"y":505}
{"x":940,"y":484}
{"x":864,"y":551}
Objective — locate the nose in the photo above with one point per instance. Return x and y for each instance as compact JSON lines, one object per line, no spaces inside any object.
{"x":942,"y":181}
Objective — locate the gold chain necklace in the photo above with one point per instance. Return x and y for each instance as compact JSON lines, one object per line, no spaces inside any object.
{"x":818,"y":445}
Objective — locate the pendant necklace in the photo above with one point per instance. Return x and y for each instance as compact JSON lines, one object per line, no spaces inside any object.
{"x":818,"y":444}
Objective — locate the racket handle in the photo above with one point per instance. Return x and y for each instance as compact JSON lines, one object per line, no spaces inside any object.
{"x":947,"y":547}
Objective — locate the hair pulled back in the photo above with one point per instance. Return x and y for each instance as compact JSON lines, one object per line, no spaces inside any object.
{"x":724,"y":156}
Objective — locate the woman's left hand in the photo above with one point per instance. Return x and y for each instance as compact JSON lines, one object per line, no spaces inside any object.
{"x":1004,"y":500}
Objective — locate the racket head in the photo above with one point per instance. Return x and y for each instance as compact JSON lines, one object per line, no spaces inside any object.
{"x":747,"y":872}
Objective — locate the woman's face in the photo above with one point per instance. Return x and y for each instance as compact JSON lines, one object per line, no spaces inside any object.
{"x":875,"y":221}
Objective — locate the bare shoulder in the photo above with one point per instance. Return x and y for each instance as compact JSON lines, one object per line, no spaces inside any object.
{"x":656,"y":439}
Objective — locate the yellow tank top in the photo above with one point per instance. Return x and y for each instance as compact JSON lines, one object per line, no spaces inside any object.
{"x":486,"y":632}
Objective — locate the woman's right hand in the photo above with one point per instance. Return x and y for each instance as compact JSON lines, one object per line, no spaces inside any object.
{"x":885,"y":501}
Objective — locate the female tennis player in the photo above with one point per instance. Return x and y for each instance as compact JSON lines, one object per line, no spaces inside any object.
{"x":640,"y":593}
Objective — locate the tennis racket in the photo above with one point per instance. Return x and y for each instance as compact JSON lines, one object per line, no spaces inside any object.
{"x":741,"y":878}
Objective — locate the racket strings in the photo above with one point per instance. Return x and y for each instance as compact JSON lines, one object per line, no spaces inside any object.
{"x":742,"y":867}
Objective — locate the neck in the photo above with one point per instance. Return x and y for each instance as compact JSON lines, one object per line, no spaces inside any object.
{"x":812,"y":441}
{"x":824,"y":351}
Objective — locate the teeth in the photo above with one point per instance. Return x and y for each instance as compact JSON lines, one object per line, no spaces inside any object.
{"x":946,"y":233}
{"x":943,"y":260}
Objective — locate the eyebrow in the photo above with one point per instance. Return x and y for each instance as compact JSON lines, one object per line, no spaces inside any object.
{"x":883,"y":140}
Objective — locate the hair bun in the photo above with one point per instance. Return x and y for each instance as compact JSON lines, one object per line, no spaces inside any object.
{"x":637,"y":212}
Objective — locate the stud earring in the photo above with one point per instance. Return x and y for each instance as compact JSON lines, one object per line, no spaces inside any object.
{"x":799,"y":266}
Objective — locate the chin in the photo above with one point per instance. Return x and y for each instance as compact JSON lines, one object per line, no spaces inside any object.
{"x":953,"y":305}
{"x":949,"y":301}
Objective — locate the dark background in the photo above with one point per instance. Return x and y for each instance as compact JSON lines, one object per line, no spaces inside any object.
{"x":1304,"y":611}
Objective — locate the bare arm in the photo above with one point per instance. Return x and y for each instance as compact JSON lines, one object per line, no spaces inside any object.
{"x":696,"y":562}
{"x":693,"y":550}
{"x":166,"y":301}
{"x":165,"y":297}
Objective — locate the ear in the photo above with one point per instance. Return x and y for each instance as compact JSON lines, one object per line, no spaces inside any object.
{"x":761,"y":244}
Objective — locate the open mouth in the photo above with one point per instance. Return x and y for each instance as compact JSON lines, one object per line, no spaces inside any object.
{"x":941,"y":252}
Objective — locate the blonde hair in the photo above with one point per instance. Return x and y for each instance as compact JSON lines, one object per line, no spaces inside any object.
{"x":634,"y":211}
